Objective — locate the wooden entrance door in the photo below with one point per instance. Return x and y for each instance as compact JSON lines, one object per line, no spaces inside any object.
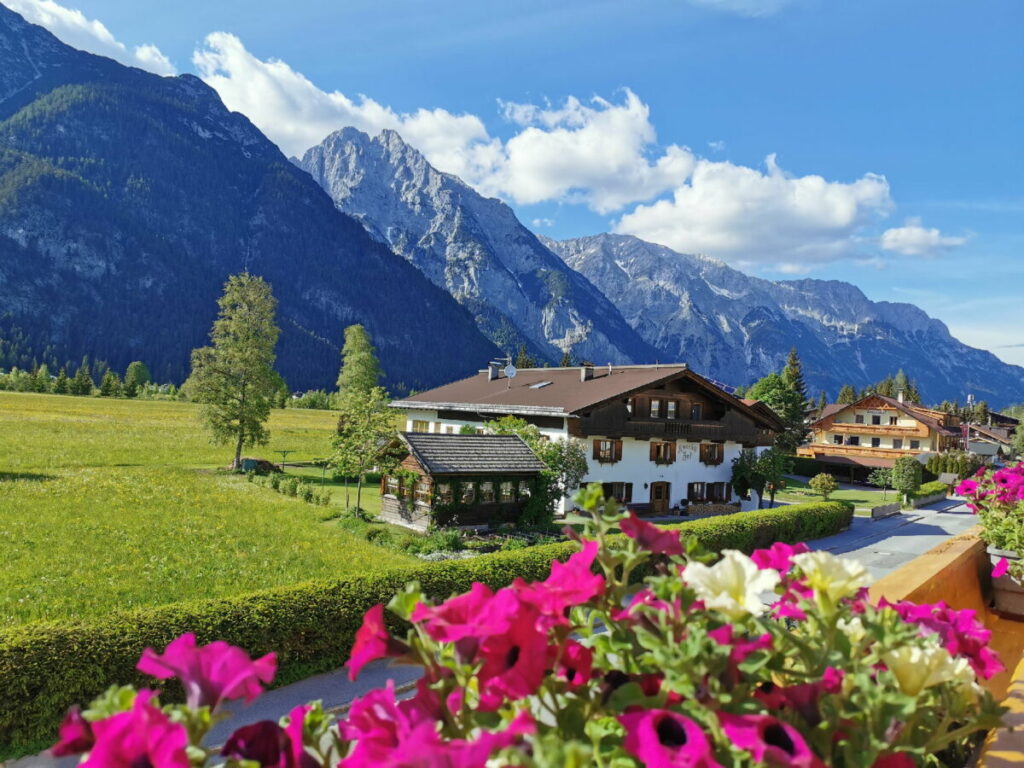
{"x":659,"y":498}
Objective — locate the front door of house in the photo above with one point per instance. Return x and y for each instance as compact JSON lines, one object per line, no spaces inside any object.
{"x":659,"y":498}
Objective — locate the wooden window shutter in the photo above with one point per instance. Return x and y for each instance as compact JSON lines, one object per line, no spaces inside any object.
{"x":654,"y":451}
{"x":618,"y":450}
{"x":671,"y":453}
{"x":628,"y":493}
{"x":597,"y":449}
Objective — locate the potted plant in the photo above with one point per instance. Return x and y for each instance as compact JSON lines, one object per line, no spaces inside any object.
{"x":997,"y":497}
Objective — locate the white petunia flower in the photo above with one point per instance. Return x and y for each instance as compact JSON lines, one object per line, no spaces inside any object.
{"x":733,"y":585}
{"x":852,"y":628}
{"x":832,"y":576}
{"x":917,"y":667}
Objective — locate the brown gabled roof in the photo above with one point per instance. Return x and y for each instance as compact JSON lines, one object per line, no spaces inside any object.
{"x":472,"y":454}
{"x":991,"y":434}
{"x":560,"y":391}
{"x":930,"y":418}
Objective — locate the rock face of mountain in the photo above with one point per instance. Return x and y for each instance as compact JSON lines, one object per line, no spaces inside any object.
{"x":737,"y":328}
{"x":474,"y":247}
{"x":126,"y":199}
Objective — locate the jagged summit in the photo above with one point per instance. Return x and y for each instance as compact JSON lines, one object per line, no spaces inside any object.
{"x":472,"y":246}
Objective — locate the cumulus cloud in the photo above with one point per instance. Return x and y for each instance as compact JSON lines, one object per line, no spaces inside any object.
{"x":538,"y":223}
{"x":913,"y":239}
{"x":72,"y":26}
{"x":765,"y":217}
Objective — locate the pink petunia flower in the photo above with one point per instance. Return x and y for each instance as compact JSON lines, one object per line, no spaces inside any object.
{"x":650,"y":537}
{"x":575,"y":664}
{"x":473,"y":614}
{"x":570,"y":583}
{"x":142,"y":736}
{"x":769,"y":741}
{"x":779,"y":556}
{"x":514,"y":663}
{"x":75,"y":736}
{"x":894,"y":760}
{"x":659,"y":738}
{"x":373,"y":642}
{"x":802,"y":698}
{"x":1001,"y":568}
{"x":270,"y":745}
{"x":210,"y":673}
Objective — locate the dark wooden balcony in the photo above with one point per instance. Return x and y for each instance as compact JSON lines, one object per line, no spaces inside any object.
{"x":732,"y":428}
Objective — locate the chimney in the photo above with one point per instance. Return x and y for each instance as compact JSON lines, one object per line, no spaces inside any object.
{"x":586,"y":373}
{"x":899,"y":396}
{"x":492,"y":371}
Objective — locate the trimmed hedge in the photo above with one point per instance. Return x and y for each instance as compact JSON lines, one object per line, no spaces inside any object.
{"x":806,"y":466}
{"x":930,"y":489}
{"x":46,"y":667}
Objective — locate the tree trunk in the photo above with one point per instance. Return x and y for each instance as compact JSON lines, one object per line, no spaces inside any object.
{"x":359,"y":493}
{"x":348,"y":504}
{"x":238,"y":451}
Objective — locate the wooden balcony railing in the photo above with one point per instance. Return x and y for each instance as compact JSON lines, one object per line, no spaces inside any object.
{"x":857,"y":450}
{"x":879,"y":429}
{"x":669,"y":429}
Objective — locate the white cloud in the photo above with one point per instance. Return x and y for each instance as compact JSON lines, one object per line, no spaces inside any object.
{"x":771,"y":218}
{"x":538,"y":223}
{"x":72,"y":27}
{"x":716,"y":146}
{"x":912,"y":239}
{"x":296,"y":114}
{"x":745,"y":7}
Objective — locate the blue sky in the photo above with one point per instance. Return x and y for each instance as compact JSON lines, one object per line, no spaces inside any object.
{"x":894,"y":127}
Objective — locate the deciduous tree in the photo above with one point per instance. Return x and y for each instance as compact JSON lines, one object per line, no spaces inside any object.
{"x":234,"y":377}
{"x":906,"y":476}
{"x":772,"y":466}
{"x":366,"y":427}
{"x":824,"y":484}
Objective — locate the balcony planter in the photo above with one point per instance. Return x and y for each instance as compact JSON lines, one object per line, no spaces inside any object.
{"x":1007,"y":592}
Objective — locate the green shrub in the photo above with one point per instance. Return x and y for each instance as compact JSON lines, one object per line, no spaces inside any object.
{"x":275,"y":481}
{"x":930,"y":489}
{"x":289,"y":486}
{"x":46,"y":667}
{"x":307,"y":492}
{"x":807,"y":467}
{"x":824,"y":484}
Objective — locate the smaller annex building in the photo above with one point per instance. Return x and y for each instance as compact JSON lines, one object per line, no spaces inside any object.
{"x":452,"y":479}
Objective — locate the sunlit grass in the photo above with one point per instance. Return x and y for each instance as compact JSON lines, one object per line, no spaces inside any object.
{"x":116,"y":504}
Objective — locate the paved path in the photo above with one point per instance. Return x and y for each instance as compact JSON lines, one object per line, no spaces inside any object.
{"x":882,"y":545}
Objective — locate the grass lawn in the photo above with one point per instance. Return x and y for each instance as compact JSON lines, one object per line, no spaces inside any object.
{"x":798,"y":492}
{"x":108,"y":504}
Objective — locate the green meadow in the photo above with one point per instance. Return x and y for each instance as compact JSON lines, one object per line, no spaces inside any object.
{"x":111,"y":504}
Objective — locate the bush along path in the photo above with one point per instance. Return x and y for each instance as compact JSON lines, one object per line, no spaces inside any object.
{"x":47,"y":667}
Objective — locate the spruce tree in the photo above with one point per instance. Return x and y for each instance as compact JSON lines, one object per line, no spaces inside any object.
{"x":847,"y":395}
{"x":234,"y":378}
{"x":60,"y":386}
{"x":111,"y":385}
{"x":793,"y":375}
{"x":82,"y":384}
{"x":43,"y":383}
{"x":901,"y":384}
{"x":360,"y":370}
{"x":822,"y":401}
{"x":566,"y":360}
{"x":523,"y":359}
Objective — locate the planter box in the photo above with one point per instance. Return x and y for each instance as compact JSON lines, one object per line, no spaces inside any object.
{"x":1007,"y":592}
{"x":886,"y":510}
{"x":926,"y":500}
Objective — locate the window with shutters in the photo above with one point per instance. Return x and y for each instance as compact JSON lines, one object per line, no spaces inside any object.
{"x":663,"y":452}
{"x":524,"y":489}
{"x":468,"y":492}
{"x":893,"y":421}
{"x":444,"y":493}
{"x":422,"y":492}
{"x":655,"y":408}
{"x":696,"y":411}
{"x":695,"y":492}
{"x":621,"y":492}
{"x":671,"y":409}
{"x":718,"y":492}
{"x":607,"y":451}
{"x":392,"y":486}
{"x":712,"y":453}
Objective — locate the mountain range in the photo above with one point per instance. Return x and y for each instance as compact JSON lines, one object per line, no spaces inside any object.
{"x":126,"y":199}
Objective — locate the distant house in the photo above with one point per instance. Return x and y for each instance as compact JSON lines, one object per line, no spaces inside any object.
{"x":478,"y":480}
{"x":989,"y":441}
{"x":658,"y":437}
{"x":874,"y":431}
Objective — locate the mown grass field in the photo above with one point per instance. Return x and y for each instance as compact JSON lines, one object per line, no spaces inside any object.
{"x":109,"y":504}
{"x":798,"y":492}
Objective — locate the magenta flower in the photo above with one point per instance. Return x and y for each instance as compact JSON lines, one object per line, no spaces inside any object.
{"x":514,"y":663}
{"x":960,"y":631}
{"x":575,"y":664}
{"x":210,"y":673}
{"x":769,"y":741}
{"x":740,"y":647}
{"x":570,"y":583}
{"x":270,"y":745}
{"x":651,"y":537}
{"x":142,"y":737}
{"x":75,"y":736}
{"x":373,"y":642}
{"x":802,"y":698}
{"x":645,"y":598}
{"x":659,"y":738}
{"x":894,"y":760}
{"x":779,"y":556}
{"x":472,"y":614}
{"x":1001,"y":568}
{"x":967,"y":487}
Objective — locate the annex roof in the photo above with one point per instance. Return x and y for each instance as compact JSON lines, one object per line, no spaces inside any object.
{"x":442,"y":454}
{"x":855,"y":461}
{"x":564,"y":391}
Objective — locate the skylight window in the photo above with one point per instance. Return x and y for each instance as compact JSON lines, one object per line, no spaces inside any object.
{"x":539,"y":385}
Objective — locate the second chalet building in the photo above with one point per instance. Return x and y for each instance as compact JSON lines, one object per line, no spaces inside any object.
{"x":658,"y":437}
